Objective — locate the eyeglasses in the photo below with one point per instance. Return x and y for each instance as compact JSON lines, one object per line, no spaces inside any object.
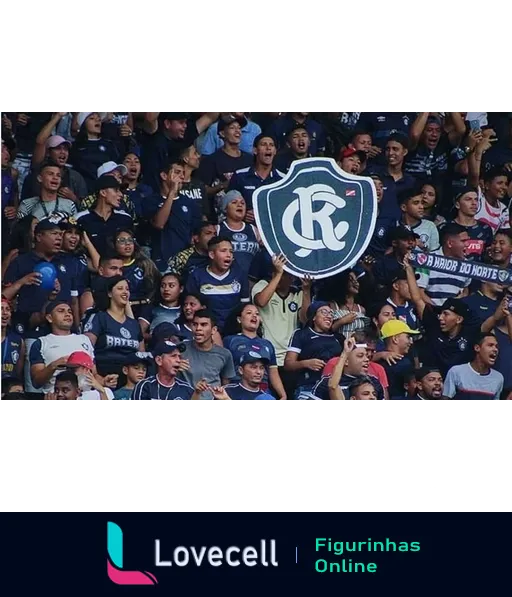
{"x":125,"y":241}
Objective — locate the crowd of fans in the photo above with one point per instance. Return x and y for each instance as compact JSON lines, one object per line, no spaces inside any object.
{"x":163,"y":289}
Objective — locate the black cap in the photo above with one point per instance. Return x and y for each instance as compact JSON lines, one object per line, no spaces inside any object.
{"x":401,"y":233}
{"x":227,"y":120}
{"x":458,"y":306}
{"x":422,"y":372}
{"x":173,"y":116}
{"x":296,"y":127}
{"x":50,"y":223}
{"x":166,"y":347}
{"x":261,"y":136}
{"x":402,"y":275}
{"x":164,"y":330}
{"x":51,"y":306}
{"x":135,"y":358}
{"x":107,"y":182}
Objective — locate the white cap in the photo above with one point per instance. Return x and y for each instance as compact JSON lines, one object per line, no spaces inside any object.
{"x":108,"y":167}
{"x":83,"y":116}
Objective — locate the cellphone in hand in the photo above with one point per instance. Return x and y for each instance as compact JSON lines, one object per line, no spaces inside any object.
{"x":474,"y":125}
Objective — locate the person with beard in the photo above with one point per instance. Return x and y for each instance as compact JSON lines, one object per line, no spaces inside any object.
{"x":217,"y":169}
{"x":350,"y":160}
{"x":49,"y":200}
{"x":213,"y":141}
{"x":297,"y":148}
{"x":285,"y":123}
{"x":311,"y":347}
{"x":262,"y":172}
{"x":429,"y":384}
{"x":476,"y":380}
{"x":50,"y":353}
{"x":244,"y":238}
{"x":165,"y":385}
{"x":20,"y":279}
{"x":56,"y":148}
{"x":192,"y":187}
{"x":222,"y":283}
{"x":13,"y":346}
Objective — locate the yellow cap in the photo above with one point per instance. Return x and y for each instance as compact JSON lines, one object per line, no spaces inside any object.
{"x":393,"y":327}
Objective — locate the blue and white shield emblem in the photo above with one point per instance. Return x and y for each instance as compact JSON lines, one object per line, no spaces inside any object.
{"x":318,"y":216}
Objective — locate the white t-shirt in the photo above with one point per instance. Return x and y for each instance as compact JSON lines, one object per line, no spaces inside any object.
{"x":95,"y":395}
{"x":49,"y":348}
{"x":496,"y":217}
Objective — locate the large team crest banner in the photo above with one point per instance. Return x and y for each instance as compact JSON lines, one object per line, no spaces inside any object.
{"x":318,"y":216}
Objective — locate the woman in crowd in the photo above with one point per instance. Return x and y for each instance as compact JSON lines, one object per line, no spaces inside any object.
{"x":189,"y":304}
{"x":21,"y":240}
{"x":166,"y":307}
{"x":430,"y":195}
{"x":141,"y":272}
{"x":243,"y":334}
{"x":112,"y":329}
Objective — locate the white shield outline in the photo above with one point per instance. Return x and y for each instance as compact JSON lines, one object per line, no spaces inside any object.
{"x":326,"y":164}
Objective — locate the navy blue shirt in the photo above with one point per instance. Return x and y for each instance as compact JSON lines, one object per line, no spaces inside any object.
{"x":426,"y":163}
{"x":76,"y":267}
{"x":284,"y":160}
{"x":151,"y":389}
{"x":245,"y":244}
{"x":445,"y":352}
{"x":140,"y":287}
{"x":239,"y":392}
{"x":221,"y":293}
{"x":177,"y":232}
{"x":31,"y":299}
{"x":388,"y":206}
{"x":138,"y":197}
{"x":386,"y":269}
{"x":405,"y":313}
{"x":99,"y":230}
{"x":246,"y":181}
{"x":309,"y":344}
{"x":195,"y":190}
{"x":383,"y":124}
{"x":481,"y":306}
{"x":114,"y":340}
{"x":504,"y":359}
{"x":284,"y":124}
{"x":157,"y":150}
{"x":219,"y":166}
{"x":11,"y":352}
{"x":88,"y":156}
{"x":396,"y":376}
{"x":379,"y":242}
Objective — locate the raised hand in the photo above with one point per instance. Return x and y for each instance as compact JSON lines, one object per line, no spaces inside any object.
{"x":278,"y":262}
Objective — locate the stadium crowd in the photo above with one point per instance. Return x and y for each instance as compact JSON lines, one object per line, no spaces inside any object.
{"x":133,"y":268}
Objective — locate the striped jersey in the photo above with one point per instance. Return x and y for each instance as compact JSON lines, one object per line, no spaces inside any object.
{"x":440,"y":286}
{"x":152,"y":389}
{"x":464,"y":383}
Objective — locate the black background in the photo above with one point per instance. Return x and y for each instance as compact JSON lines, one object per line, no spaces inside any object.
{"x":66,"y":554}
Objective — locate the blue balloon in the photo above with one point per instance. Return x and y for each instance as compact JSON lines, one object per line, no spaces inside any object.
{"x":48,"y":274}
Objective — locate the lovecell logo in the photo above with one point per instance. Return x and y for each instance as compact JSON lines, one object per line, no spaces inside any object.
{"x":166,"y":556}
{"x":115,"y":561}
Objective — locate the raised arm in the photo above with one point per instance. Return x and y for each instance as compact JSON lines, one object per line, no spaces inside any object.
{"x":162,"y":215}
{"x":150,"y":124}
{"x":206,"y":120}
{"x":263,"y":297}
{"x":456,"y":135}
{"x":417,"y":299}
{"x":417,"y":128}
{"x":333,"y":385}
{"x":42,"y":138}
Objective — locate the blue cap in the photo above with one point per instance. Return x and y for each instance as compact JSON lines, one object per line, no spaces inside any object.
{"x":264,"y":397}
{"x":253,"y":357}
{"x":166,"y":347}
{"x":164,"y":330}
{"x":313,"y":308}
